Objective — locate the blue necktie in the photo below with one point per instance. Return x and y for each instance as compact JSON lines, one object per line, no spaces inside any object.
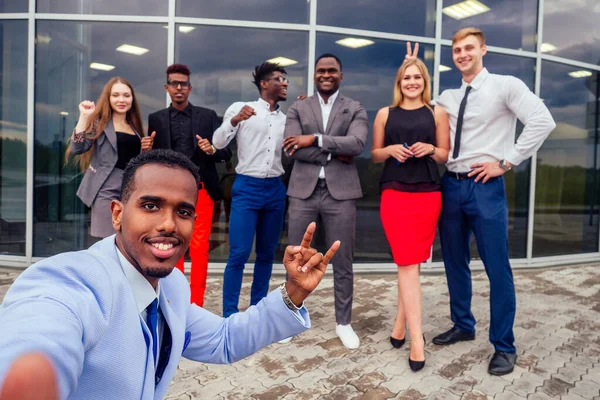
{"x":152,"y":320}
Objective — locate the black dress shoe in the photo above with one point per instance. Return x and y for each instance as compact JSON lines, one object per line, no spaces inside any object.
{"x":452,"y":336}
{"x":397,"y":343}
{"x":417,"y":365}
{"x":502,"y":363}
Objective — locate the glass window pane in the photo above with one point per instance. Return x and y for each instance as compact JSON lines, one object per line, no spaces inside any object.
{"x":222,"y":74}
{"x":412,"y":17}
{"x":13,"y":136}
{"x":369,"y":75}
{"x":517,"y":180}
{"x":109,"y":7}
{"x":567,"y":182}
{"x":571,"y":29}
{"x":291,"y":11}
{"x":14,"y":6}
{"x":63,"y":78}
{"x":511,"y":24}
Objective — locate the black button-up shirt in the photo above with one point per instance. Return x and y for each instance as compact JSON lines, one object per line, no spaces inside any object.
{"x":182,"y":139}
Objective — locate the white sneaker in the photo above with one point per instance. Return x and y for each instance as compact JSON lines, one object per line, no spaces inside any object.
{"x":347,"y":335}
{"x":286,"y":340}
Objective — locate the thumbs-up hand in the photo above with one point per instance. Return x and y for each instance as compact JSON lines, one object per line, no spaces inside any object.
{"x":206,"y":146}
{"x":148,"y":142}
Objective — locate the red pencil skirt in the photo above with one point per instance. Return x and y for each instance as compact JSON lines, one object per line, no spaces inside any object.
{"x":409,"y":220}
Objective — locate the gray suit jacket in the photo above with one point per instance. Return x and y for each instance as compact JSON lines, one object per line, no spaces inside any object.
{"x":345,"y":135}
{"x":104,"y":159}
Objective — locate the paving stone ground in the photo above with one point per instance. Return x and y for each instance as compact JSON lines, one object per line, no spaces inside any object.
{"x":557,"y":332}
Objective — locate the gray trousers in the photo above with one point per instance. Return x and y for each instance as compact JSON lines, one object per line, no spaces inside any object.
{"x":338,"y":219}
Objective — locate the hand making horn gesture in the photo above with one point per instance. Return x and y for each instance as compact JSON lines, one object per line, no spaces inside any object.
{"x":305,"y":266}
{"x":410,"y":53}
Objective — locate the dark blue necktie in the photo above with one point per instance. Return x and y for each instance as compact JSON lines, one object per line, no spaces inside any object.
{"x":152,"y":320}
{"x":459,"y":123}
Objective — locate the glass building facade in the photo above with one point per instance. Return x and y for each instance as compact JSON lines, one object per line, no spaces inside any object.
{"x":57,"y":53}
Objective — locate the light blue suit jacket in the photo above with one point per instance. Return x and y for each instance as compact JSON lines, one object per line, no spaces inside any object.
{"x":79,"y":309}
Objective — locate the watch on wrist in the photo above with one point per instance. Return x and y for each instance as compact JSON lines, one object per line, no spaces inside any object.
{"x":432,"y":150}
{"x":317,"y":139}
{"x":504,"y":165}
{"x":287,"y":300}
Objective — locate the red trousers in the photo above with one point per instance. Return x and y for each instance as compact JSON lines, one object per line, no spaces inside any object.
{"x":199,"y":247}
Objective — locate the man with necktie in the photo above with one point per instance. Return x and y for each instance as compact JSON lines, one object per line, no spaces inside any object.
{"x":483,"y":114}
{"x":113,"y":321}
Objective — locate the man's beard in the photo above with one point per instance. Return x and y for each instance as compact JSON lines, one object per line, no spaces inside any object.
{"x":158,"y":272}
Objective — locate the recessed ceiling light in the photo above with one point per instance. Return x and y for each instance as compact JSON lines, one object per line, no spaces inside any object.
{"x":186,"y":28}
{"x":547,"y":47}
{"x":580,"y":74}
{"x":282,"y":61}
{"x":131,"y":49}
{"x":102,"y":67}
{"x":465,"y":9}
{"x":444,"y":68}
{"x":354,"y":43}
{"x":64,"y":113}
{"x":43,"y":39}
{"x":429,"y":54}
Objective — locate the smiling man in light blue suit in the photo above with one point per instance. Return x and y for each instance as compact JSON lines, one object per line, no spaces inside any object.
{"x":113,"y":321}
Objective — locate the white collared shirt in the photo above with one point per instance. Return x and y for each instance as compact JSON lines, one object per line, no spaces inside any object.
{"x":489,"y":123}
{"x":259,"y":139}
{"x":325,"y":112}
{"x":144,"y":294}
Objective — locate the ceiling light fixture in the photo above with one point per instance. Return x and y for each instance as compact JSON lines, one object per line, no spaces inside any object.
{"x":465,"y":9}
{"x":580,"y":74}
{"x":282,"y":61}
{"x":131,"y":49}
{"x":547,"y":47}
{"x":444,"y":68}
{"x":102,"y":67}
{"x":354,"y":43}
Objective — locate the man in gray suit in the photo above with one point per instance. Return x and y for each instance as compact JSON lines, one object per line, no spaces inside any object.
{"x":323,"y":134}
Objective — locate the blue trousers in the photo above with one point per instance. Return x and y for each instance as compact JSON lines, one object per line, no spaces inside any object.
{"x":473,"y":207}
{"x":257,"y":208}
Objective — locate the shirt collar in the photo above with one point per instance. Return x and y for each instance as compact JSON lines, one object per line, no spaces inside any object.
{"x":143,"y":292}
{"x":478,"y":81}
{"x":331,"y":99}
{"x":267,"y":105}
{"x":187,"y":111}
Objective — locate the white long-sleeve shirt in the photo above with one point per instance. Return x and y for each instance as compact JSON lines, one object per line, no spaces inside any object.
{"x":259,"y":139}
{"x":489,"y":123}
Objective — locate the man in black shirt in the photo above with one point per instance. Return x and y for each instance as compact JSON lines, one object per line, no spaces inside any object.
{"x":188,"y":129}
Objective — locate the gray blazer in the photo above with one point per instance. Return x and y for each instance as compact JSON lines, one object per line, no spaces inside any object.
{"x":104,"y":159}
{"x":345,"y":135}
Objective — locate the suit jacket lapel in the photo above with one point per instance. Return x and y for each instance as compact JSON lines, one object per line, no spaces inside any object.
{"x":316,"y":108}
{"x":195,"y":123}
{"x":109,"y":131}
{"x":165,"y":119}
{"x":177,"y":337}
{"x":337,"y":106}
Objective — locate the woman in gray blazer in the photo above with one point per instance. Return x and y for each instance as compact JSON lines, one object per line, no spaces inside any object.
{"x":107,"y":136}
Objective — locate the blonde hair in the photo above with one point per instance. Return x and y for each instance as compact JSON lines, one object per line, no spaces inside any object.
{"x":464,"y":32}
{"x":99,"y":119}
{"x":425,"y":96}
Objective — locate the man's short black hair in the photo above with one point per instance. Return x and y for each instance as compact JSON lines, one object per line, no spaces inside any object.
{"x":330,"y":55}
{"x":178,"y":69}
{"x":264,"y":71}
{"x":164,"y":157}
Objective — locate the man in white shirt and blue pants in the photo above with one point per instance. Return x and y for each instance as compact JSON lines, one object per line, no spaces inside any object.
{"x":483,"y":114}
{"x":258,"y":193}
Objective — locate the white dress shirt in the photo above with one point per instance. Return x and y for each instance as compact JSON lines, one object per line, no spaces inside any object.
{"x":489,"y":123}
{"x":144,"y":294}
{"x":325,"y":112}
{"x":259,"y":139}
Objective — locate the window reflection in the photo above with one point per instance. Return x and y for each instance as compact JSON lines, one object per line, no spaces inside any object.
{"x":110,"y":7}
{"x":222,"y":74}
{"x":412,"y":17}
{"x":292,"y":11}
{"x":517,"y":180}
{"x":566,"y":199}
{"x":369,"y":74}
{"x":14,"y":6}
{"x":13,"y":136}
{"x":571,"y":29}
{"x":510,"y":24}
{"x":63,"y":78}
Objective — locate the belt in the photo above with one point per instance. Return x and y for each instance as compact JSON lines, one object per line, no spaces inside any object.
{"x":459,"y":175}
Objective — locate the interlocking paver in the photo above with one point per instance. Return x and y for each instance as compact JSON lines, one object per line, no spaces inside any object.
{"x":557,"y":330}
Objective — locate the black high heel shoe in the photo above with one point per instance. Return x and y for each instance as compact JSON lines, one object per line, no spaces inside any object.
{"x":417,"y":365}
{"x":397,"y":343}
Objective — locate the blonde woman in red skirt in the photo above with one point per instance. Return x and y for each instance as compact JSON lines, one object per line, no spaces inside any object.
{"x":410,"y":137}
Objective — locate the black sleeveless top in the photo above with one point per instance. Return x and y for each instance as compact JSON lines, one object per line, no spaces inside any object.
{"x":415,"y":174}
{"x":128,"y":146}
